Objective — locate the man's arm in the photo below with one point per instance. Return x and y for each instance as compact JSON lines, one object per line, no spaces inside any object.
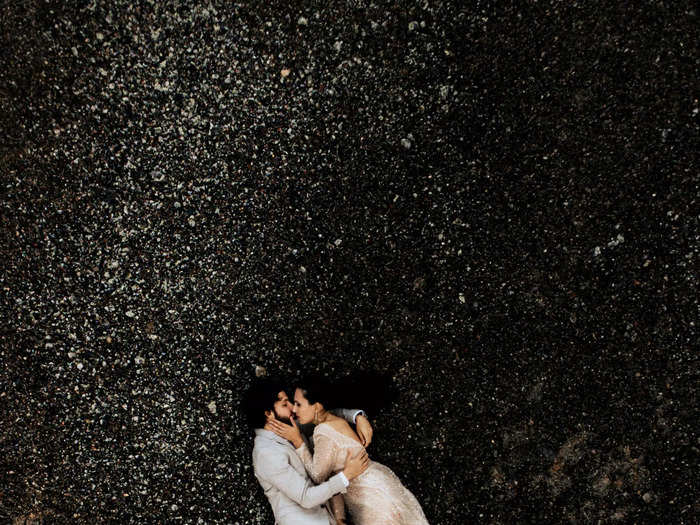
{"x":337,"y":505}
{"x":361,"y":422}
{"x":348,"y":414}
{"x":275,"y":469}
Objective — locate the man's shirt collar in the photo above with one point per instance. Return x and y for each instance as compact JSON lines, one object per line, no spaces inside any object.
{"x":268,"y":434}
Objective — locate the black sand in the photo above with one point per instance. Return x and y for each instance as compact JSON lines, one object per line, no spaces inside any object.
{"x":495,"y":204}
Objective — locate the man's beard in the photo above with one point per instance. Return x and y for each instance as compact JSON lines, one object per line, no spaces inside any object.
{"x":284,"y":420}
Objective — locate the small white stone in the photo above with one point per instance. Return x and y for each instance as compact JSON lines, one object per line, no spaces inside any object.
{"x":462,"y":298}
{"x":406,"y":143}
{"x":617,"y":240}
{"x":139,"y":360}
{"x":259,"y":371}
{"x":130,"y":313}
{"x":79,"y":366}
{"x":338,"y":242}
{"x":596,"y":251}
{"x":302,"y":21}
{"x":212,"y":407}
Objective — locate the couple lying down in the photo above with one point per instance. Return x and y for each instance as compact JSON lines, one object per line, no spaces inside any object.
{"x":315,"y":483}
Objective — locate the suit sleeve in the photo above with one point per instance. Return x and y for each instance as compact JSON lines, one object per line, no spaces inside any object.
{"x":348,"y":414}
{"x":275,"y":469}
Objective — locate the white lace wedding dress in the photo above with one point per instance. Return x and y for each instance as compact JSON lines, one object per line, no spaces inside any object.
{"x":375,"y":497}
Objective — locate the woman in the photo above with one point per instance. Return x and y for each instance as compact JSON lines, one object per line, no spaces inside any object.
{"x":375,"y":497}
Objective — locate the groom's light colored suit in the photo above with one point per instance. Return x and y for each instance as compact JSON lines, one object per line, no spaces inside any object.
{"x":294,"y":498}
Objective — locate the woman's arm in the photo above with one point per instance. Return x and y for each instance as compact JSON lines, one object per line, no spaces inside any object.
{"x":320,"y":465}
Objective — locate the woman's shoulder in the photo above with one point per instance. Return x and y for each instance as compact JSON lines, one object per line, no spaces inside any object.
{"x":335,"y":430}
{"x":335,"y":424}
{"x":325,"y":430}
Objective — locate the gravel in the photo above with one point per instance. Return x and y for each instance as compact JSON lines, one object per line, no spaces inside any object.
{"x":495,"y":205}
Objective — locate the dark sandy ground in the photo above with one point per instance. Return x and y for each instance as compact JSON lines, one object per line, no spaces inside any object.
{"x":494,"y":204}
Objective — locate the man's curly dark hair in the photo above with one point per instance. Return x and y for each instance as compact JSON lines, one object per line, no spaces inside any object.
{"x":260,"y":397}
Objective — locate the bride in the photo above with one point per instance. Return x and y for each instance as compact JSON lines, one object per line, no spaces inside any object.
{"x":376,"y":496}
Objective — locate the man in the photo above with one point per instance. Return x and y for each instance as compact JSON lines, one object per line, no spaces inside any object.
{"x":295,"y":500}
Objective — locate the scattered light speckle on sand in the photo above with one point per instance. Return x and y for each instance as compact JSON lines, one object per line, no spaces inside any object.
{"x":494,"y":204}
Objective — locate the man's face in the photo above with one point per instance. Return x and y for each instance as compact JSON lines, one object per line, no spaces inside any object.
{"x":282,"y":408}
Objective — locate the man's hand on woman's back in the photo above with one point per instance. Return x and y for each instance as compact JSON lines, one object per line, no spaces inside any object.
{"x":364,"y":430}
{"x":354,"y":466}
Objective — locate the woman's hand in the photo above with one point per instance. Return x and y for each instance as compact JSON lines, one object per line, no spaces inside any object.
{"x":289,"y":432}
{"x":364,"y":430}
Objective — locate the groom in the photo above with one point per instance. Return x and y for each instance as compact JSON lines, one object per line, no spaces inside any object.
{"x":294,"y":498}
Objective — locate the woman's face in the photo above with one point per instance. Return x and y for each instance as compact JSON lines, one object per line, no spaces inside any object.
{"x":302,"y":410}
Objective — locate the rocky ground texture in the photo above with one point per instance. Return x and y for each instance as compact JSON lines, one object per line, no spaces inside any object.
{"x":495,"y":203}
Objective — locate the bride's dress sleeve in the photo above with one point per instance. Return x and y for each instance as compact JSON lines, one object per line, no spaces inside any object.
{"x":320,"y":465}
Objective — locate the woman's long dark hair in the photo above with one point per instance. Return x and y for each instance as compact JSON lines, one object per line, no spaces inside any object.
{"x":370,"y":391}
